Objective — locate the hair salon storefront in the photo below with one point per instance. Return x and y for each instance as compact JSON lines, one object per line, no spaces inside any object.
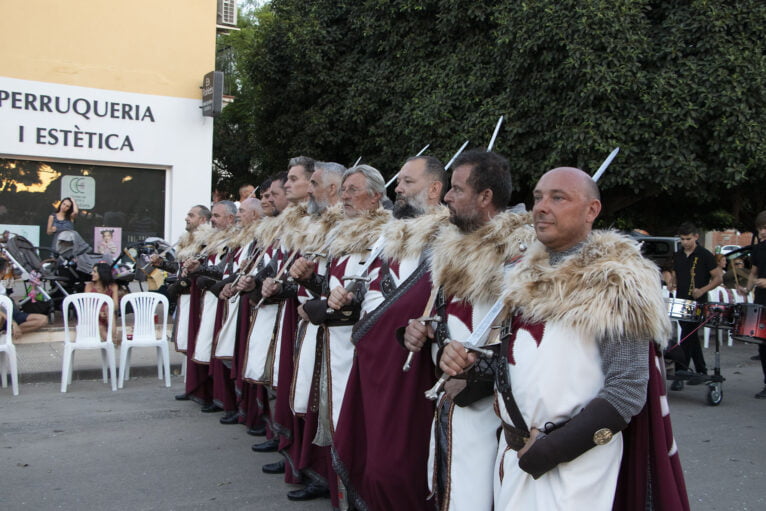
{"x":126,"y":159}
{"x":100,"y":102}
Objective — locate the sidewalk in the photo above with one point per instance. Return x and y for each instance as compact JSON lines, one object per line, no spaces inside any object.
{"x":40,"y":357}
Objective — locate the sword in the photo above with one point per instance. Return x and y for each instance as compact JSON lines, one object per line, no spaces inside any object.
{"x":375,"y":251}
{"x":397,"y":174}
{"x":277,"y":278}
{"x":423,"y":320}
{"x":449,"y":163}
{"x":471,"y":344}
{"x":494,"y":135}
{"x":604,"y":165}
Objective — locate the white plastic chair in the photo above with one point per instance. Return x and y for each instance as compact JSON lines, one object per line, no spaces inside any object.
{"x":87,"y":306}
{"x":144,"y":334}
{"x":8,"y":359}
{"x":722,"y":295}
{"x":676,"y":327}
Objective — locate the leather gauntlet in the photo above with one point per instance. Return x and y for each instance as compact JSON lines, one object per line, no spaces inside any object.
{"x":594,"y":425}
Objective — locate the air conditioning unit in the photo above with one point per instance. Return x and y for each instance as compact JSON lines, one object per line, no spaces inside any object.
{"x":227,"y":12}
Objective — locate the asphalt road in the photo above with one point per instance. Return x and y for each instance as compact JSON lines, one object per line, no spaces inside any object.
{"x":139,"y":449}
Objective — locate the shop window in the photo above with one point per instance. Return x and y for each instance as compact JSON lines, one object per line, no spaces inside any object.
{"x":129,"y":202}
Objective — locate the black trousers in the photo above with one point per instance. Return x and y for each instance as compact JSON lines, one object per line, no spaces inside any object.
{"x":691,"y":349}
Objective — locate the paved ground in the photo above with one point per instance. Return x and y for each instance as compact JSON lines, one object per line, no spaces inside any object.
{"x":138,"y":448}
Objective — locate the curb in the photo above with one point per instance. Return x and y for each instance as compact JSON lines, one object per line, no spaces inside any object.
{"x":93,"y":374}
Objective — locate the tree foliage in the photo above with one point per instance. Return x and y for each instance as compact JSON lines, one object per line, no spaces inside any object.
{"x":678,"y":85}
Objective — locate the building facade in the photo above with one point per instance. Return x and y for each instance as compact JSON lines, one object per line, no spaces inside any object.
{"x":101,"y":102}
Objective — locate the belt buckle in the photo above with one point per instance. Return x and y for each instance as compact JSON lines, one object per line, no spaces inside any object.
{"x":505,"y":329}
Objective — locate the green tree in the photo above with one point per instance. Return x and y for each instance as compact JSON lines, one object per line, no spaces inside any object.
{"x":677,"y":85}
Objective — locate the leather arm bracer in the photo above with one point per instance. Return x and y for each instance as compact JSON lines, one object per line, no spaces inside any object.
{"x":594,"y":425}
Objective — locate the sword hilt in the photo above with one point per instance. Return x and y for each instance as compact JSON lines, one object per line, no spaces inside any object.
{"x":357,"y":278}
{"x":423,"y":320}
{"x":433,"y":392}
{"x":408,"y":363}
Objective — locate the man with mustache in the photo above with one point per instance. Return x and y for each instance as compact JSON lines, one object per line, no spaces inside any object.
{"x":466,"y":266}
{"x":575,"y":364}
{"x":380,"y":448}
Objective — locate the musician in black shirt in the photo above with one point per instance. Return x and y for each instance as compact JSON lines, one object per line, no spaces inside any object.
{"x":695,"y":272}
{"x":757,"y":281}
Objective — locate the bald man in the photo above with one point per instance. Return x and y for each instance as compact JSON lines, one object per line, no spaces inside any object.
{"x":576,"y":360}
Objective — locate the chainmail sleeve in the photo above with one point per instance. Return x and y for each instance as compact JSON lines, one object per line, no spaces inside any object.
{"x":625,"y":363}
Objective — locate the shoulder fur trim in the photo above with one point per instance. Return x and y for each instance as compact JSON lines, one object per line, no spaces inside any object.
{"x":293,"y":224}
{"x":197,"y":239}
{"x":267,"y":231}
{"x":355,"y":235}
{"x":218,"y":240}
{"x":470,"y":266}
{"x":318,"y":228}
{"x":243,"y":236}
{"x":184,"y":241}
{"x":409,"y":237}
{"x":605,"y":289}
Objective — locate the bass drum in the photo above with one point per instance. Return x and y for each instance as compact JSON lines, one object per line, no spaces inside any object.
{"x":750,"y":324}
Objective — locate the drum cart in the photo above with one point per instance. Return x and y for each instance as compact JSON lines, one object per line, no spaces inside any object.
{"x":717,"y":316}
{"x":714,"y":382}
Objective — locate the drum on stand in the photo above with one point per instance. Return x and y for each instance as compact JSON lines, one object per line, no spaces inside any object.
{"x":683,"y":310}
{"x":719,"y":314}
{"x":750,"y":323}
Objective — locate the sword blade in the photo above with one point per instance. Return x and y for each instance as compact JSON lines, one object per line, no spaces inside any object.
{"x":449,"y":163}
{"x":397,"y":174}
{"x":494,"y":135}
{"x":604,"y":165}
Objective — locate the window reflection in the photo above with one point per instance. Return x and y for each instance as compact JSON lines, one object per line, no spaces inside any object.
{"x":131,"y":199}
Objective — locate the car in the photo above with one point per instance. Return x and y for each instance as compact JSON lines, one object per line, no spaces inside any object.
{"x":728,"y":248}
{"x":659,"y":249}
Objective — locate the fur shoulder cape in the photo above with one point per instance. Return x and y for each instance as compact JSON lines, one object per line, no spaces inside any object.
{"x":267,"y":231}
{"x":243,"y":236}
{"x":293,"y":223}
{"x":218,"y":240}
{"x":605,"y":289}
{"x":196,"y":240}
{"x":409,"y":237}
{"x":313,"y":238}
{"x":355,"y":235}
{"x":470,"y":266}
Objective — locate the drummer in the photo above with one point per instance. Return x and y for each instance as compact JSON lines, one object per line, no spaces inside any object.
{"x":695,"y":272}
{"x":757,"y":281}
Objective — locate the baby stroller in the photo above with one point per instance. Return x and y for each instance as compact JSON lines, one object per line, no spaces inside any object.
{"x":75,"y":260}
{"x":40,"y":281}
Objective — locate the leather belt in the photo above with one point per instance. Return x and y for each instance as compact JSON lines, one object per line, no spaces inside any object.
{"x":514,"y":437}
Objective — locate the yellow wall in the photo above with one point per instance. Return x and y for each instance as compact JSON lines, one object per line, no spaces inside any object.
{"x":161,"y":47}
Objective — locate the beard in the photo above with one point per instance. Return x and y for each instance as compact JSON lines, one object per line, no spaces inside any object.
{"x":315,"y":206}
{"x":466,"y":223}
{"x":410,"y":207}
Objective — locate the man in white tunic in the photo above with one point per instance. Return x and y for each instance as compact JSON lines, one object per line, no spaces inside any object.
{"x":573,"y":368}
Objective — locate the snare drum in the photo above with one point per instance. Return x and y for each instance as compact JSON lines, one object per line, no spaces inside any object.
{"x":683,"y":310}
{"x":750,"y":323}
{"x":718,"y":314}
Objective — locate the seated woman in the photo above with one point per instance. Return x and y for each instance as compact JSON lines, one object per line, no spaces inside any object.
{"x":103,"y":282}
{"x":63,"y":218}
